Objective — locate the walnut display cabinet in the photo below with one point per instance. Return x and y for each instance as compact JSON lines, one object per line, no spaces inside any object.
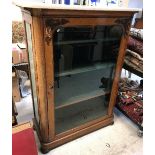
{"x":76,"y":56}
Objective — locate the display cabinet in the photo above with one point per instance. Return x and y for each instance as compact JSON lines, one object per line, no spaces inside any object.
{"x":76,"y":56}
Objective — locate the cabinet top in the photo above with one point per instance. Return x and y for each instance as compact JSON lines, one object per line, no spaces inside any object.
{"x":39,"y":5}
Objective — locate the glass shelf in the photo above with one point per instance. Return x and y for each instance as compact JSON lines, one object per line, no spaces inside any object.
{"x":80,"y":98}
{"x":79,"y":87}
{"x":95,"y":66}
{"x":91,"y":41}
{"x":77,"y":114}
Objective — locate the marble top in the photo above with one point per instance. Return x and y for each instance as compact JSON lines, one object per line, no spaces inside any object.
{"x":40,"y":5}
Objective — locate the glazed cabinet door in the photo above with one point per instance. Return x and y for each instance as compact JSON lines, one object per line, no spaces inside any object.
{"x":84,"y":66}
{"x":84,"y":60}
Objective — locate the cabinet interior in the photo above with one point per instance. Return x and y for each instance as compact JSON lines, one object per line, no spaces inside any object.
{"x":84,"y":66}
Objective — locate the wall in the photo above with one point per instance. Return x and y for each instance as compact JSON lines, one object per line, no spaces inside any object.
{"x":135,"y":4}
{"x":16,"y":14}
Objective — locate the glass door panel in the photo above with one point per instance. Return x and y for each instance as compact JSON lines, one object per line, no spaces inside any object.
{"x":84,"y":65}
{"x":32,"y":68}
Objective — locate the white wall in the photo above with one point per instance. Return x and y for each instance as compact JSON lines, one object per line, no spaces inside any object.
{"x":16,"y":14}
{"x":135,"y":4}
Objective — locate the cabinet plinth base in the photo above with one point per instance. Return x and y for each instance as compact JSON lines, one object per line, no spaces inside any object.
{"x":44,"y":150}
{"x":47,"y":146}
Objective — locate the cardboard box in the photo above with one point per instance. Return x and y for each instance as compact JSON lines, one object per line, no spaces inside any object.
{"x":16,"y":54}
{"x":15,"y":88}
{"x":25,"y":55}
{"x":19,"y":53}
{"x":24,"y":52}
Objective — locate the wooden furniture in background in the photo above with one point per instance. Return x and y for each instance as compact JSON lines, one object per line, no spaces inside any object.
{"x":138,"y":23}
{"x":14,"y":113}
{"x":42,"y":25}
{"x":15,"y":87}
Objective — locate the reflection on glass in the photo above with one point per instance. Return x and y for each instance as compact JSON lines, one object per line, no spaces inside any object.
{"x":84,"y":65}
{"x":31,"y":61}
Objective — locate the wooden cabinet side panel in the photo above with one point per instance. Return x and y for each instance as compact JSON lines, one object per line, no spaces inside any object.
{"x":27,"y":19}
{"x":39,"y":70}
{"x":37,"y":33}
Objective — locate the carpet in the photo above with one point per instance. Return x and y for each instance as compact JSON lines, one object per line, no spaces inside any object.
{"x":23,"y":140}
{"x":130,"y":99}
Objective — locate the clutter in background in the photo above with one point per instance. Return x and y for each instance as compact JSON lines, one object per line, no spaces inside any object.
{"x":19,"y":54}
{"x":101,"y":3}
{"x":130,"y":99}
{"x":134,"y":52}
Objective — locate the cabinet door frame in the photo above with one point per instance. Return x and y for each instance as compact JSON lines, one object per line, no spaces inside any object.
{"x":51,"y":23}
{"x":36,"y":26}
